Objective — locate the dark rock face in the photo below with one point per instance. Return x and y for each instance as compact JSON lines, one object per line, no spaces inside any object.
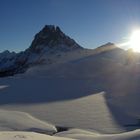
{"x":51,"y":36}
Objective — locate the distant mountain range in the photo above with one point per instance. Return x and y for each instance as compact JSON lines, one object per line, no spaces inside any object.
{"x":51,"y":46}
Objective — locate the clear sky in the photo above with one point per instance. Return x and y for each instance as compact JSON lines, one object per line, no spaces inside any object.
{"x":90,"y":22}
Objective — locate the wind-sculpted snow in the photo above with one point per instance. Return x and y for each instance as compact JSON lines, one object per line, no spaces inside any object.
{"x":74,"y":134}
{"x":7,"y":135}
{"x":89,"y":135}
{"x":20,"y":121}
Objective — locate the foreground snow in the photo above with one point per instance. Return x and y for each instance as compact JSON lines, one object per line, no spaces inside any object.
{"x":89,"y":112}
{"x":20,"y":121}
{"x":93,"y":93}
{"x":85,"y":135}
{"x":7,"y":135}
{"x":73,"y":134}
{"x":65,"y":97}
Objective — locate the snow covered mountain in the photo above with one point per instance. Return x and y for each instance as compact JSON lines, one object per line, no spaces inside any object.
{"x":48,"y":45}
{"x":52,"y":46}
{"x":87,"y":93}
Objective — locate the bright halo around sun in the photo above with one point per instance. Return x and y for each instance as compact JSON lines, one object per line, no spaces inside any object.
{"x":135,"y":41}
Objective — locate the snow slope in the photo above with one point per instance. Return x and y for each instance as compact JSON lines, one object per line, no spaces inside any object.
{"x":8,"y":135}
{"x":73,"y":134}
{"x":20,"y":121}
{"x":63,"y":109}
{"x":87,"y":135}
{"x":92,"y":92}
{"x":74,"y":90}
{"x":89,"y":113}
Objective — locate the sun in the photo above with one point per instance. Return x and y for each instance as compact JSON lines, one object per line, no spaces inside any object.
{"x":135,"y":41}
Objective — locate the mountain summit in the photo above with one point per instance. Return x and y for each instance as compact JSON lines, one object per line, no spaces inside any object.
{"x":51,"y":37}
{"x":49,"y":44}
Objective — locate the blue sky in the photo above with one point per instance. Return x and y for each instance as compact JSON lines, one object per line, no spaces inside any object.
{"x":90,"y":22}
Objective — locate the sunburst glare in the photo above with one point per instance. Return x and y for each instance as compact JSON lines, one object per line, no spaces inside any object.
{"x":135,"y":41}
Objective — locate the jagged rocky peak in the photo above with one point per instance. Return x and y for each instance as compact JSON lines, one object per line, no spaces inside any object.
{"x":51,"y":36}
{"x":7,"y":54}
